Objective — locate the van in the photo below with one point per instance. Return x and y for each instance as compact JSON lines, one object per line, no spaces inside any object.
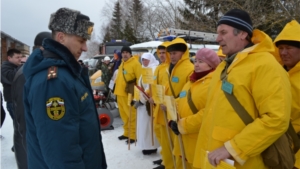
{"x":151,"y":47}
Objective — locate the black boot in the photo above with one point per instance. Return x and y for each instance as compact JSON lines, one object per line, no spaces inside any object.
{"x":122,"y":137}
{"x":148,"y":152}
{"x":157,"y":162}
{"x":131,"y":141}
{"x":160,"y":167}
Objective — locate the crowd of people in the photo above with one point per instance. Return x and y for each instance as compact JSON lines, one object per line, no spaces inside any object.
{"x":227,"y":109}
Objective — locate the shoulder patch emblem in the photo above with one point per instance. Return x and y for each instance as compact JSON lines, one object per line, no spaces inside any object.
{"x":55,"y":108}
{"x":52,"y":72}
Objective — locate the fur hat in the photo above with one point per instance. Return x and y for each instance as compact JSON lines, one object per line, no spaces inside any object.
{"x":208,"y":56}
{"x":71,"y":22}
{"x":238,"y":19}
{"x":127,"y":49}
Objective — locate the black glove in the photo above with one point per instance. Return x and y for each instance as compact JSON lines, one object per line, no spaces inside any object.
{"x":173,"y":125}
{"x":132,"y":103}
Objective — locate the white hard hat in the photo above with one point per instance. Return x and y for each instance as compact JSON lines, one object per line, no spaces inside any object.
{"x":106,"y":58}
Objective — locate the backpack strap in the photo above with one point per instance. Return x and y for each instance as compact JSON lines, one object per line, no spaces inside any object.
{"x":171,"y":87}
{"x":191,"y":103}
{"x":123,"y":72}
{"x":244,"y":115}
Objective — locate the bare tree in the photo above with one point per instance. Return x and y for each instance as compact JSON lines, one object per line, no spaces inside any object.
{"x":92,"y":47}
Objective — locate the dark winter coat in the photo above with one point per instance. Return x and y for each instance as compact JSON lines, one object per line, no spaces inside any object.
{"x":63,"y":130}
{"x":8,"y":71}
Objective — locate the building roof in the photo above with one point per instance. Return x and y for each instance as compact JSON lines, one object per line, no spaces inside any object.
{"x":3,"y":34}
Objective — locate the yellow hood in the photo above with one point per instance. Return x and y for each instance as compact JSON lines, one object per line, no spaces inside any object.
{"x":262,"y":42}
{"x":220,"y":53}
{"x":290,"y":32}
{"x":186,"y":54}
{"x":165,"y":44}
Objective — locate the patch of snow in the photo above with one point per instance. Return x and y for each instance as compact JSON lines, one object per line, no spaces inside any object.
{"x":117,"y":154}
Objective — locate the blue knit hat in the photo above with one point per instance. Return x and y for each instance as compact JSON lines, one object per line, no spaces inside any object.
{"x":238,"y":19}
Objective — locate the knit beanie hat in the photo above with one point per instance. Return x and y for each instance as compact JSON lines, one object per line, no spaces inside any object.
{"x":238,"y":19}
{"x":38,"y":40}
{"x":208,"y":56}
{"x":127,"y":49}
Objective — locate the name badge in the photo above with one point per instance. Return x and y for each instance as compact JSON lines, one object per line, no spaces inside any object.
{"x":182,"y":94}
{"x":175,"y":79}
{"x":227,"y":87}
{"x":124,"y":72}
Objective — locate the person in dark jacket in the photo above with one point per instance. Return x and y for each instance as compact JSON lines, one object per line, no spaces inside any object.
{"x":19,"y":116}
{"x":8,"y":71}
{"x":63,"y":129}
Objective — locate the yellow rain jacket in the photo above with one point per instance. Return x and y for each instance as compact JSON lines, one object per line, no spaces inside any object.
{"x":220,"y":53}
{"x":131,"y":69}
{"x":181,"y":71}
{"x":263,"y":88}
{"x":292,"y":32}
{"x":198,"y":91}
{"x":161,"y":78}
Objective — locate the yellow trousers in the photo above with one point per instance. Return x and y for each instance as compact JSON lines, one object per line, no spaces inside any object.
{"x":129,"y":124}
{"x":167,"y":150}
{"x":179,"y":163}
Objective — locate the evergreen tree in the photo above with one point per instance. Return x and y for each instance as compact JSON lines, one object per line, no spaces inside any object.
{"x":107,"y":36}
{"x":116,"y":25}
{"x":128,"y":33}
{"x":203,"y":15}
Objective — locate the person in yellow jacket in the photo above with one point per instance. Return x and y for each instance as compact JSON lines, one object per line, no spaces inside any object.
{"x":179,"y":70}
{"x":191,"y":99}
{"x":288,"y":44}
{"x":252,"y":75}
{"x":129,"y":70}
{"x":160,"y":78}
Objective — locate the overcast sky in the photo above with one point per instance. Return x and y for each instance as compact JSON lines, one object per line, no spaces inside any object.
{"x":24,"y":19}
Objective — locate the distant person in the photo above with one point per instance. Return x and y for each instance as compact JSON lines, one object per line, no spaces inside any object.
{"x":19,"y":113}
{"x":143,"y":113}
{"x":288,"y":45}
{"x":117,"y":61}
{"x":106,"y":72}
{"x":128,"y":74}
{"x":8,"y":71}
{"x":63,"y":129}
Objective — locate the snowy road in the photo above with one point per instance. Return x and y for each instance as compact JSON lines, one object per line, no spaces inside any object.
{"x":117,"y":154}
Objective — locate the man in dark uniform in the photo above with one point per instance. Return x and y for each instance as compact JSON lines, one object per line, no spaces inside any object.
{"x":19,"y":116}
{"x":63,"y":129}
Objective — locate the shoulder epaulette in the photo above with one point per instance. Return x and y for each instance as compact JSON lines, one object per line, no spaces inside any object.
{"x":52,"y":72}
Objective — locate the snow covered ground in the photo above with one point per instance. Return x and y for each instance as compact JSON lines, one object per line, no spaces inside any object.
{"x":117,"y":154}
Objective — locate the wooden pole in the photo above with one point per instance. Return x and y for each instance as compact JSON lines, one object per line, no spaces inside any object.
{"x":169,"y":138}
{"x":129,"y":127}
{"x":181,"y":146}
{"x":182,"y":151}
{"x":151,"y":116}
